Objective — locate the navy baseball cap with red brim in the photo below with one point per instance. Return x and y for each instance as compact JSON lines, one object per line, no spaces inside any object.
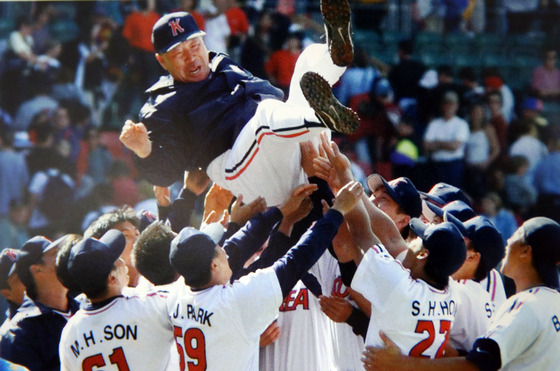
{"x":172,"y":29}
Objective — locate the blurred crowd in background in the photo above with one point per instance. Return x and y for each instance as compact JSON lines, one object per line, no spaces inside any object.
{"x":71,"y":73}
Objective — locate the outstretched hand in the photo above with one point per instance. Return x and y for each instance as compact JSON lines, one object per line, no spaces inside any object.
{"x":136,"y":138}
{"x":348,"y":197}
{"x":217,"y":199}
{"x":332,"y":165}
{"x":296,"y":198}
{"x":387,"y":358}
{"x":241,"y":213}
{"x":163,"y":196}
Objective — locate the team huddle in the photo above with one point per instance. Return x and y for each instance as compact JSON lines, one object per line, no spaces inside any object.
{"x":303,"y":269}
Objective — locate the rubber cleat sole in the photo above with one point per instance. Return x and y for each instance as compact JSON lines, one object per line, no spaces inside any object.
{"x":328,"y":109}
{"x":336,"y":15}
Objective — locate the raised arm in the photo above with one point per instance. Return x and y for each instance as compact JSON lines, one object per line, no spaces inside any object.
{"x":313,"y":244}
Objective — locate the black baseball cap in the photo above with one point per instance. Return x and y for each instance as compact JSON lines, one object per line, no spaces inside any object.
{"x":172,"y":29}
{"x":543,"y":235}
{"x":401,"y":190}
{"x":191,"y":254}
{"x":445,"y":244}
{"x":458,"y":209}
{"x":31,"y":253}
{"x":91,"y":260}
{"x":8,"y":258}
{"x":443,"y":193}
{"x":485,"y":237}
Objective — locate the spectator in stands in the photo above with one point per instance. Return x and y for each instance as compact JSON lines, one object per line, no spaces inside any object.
{"x":445,"y":141}
{"x":40,"y":102}
{"x":280,"y":66}
{"x":497,"y":120}
{"x":95,"y":156}
{"x":217,"y":27}
{"x":379,"y":117}
{"x":17,"y":232}
{"x":519,"y":193}
{"x":481,"y":151}
{"x":429,"y":103}
{"x":358,"y":78}
{"x":191,"y":7}
{"x":546,"y":177}
{"x":453,"y":18}
{"x":44,"y":155}
{"x":471,"y":91}
{"x":13,"y":181}
{"x":502,"y":218}
{"x":137,"y":30}
{"x":101,"y":203}
{"x":41,"y":32}
{"x":494,"y":82}
{"x":546,"y":78}
{"x":404,"y":76}
{"x":528,"y":144}
{"x":239,"y":28}
{"x":44,"y":311}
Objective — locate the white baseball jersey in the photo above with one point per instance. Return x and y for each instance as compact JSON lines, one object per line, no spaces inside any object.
{"x":305,"y":337}
{"x":474,"y":314}
{"x":413,"y":314}
{"x":219,"y":328}
{"x":494,"y":284}
{"x":127,"y":333}
{"x":527,"y":329}
{"x":347,"y":346}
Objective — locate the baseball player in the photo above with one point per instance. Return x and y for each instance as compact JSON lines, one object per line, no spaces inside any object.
{"x":443,"y":194}
{"x":210,"y":113}
{"x":525,"y":331}
{"x":217,"y":325}
{"x":485,"y":249}
{"x":113,"y":331}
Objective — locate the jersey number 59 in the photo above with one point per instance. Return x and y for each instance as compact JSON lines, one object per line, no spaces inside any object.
{"x":428,"y":326}
{"x":195,"y":347}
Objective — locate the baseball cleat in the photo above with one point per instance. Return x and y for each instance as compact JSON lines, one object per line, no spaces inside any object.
{"x":328,"y":109}
{"x":336,"y":15}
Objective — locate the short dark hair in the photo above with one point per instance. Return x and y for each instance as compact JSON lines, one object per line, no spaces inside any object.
{"x":150,"y":254}
{"x":108,"y":221}
{"x":445,"y":69}
{"x":61,"y":263}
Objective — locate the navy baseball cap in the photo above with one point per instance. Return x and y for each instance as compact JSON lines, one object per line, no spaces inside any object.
{"x":172,"y":29}
{"x":31,"y":253}
{"x":8,"y":258}
{"x":458,"y":209}
{"x":485,"y":237}
{"x":445,"y":243}
{"x":91,"y":260}
{"x":443,"y":193}
{"x":191,"y":254}
{"x":401,"y":190}
{"x":543,"y":235}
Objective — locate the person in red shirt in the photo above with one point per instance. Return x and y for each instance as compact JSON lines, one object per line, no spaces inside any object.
{"x":190,"y":6}
{"x":280,"y":66}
